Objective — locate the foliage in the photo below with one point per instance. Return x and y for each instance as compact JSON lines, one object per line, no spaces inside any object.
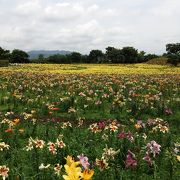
{"x":150,"y":56}
{"x":4,"y":54}
{"x":19,"y":56}
{"x":130,"y":54}
{"x":58,"y":59}
{"x":174,"y":59}
{"x":173,"y":53}
{"x":74,"y":57}
{"x":173,"y":48}
{"x":115,"y":55}
{"x":95,"y":56}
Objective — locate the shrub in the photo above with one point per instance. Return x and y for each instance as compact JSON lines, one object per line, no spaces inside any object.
{"x":174,"y":59}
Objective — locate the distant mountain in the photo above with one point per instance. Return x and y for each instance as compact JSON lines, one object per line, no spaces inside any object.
{"x":35,"y":53}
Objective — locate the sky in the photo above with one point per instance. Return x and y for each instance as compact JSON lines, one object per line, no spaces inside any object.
{"x":83,"y":25}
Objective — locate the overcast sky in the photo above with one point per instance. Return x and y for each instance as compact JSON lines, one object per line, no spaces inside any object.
{"x":83,"y":25}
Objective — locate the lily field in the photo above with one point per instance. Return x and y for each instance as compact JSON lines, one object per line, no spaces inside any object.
{"x":78,"y":121}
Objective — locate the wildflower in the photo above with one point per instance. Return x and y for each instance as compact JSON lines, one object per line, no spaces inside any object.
{"x":80,"y":122}
{"x":130,"y":137}
{"x":151,"y":122}
{"x":9,"y":130}
{"x":168,"y":111}
{"x":176,"y":150}
{"x":84,"y":161}
{"x":101,"y":125}
{"x":94,"y":128}
{"x":30,"y":144}
{"x":178,"y":158}
{"x":4,"y":172}
{"x":144,"y":136}
{"x":73,"y":172}
{"x":50,"y":112}
{"x":137,"y":126}
{"x":60,"y":144}
{"x":82,"y":94}
{"x":39,"y":143}
{"x":66,"y":124}
{"x":54,"y":109}
{"x":52,"y":148}
{"x":102,"y":164}
{"x":57,"y":169}
{"x":177,"y":144}
{"x":109,"y":153}
{"x":71,"y":110}
{"x":14,"y":94}
{"x":131,"y":120}
{"x":130,"y":160}
{"x":122,"y":135}
{"x":33,"y":111}
{"x":147,"y":158}
{"x":87,"y":174}
{"x":163,"y":129}
{"x":69,"y":160}
{"x":3,"y":146}
{"x":21,"y":130}
{"x":42,"y":166}
{"x":5,"y":121}
{"x":105,"y":137}
{"x":153,"y":148}
{"x":15,"y":122}
{"x":177,"y":147}
{"x":113,"y":127}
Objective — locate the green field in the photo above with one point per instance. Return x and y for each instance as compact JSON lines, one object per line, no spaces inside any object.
{"x":123,"y":118}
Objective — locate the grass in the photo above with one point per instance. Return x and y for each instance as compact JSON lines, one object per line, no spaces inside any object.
{"x":158,"y":61}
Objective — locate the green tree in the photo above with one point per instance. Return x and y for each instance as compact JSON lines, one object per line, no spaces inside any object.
{"x":173,"y":48}
{"x":19,"y":56}
{"x":4,"y":54}
{"x":130,"y":54}
{"x":58,"y":59}
{"x":84,"y":59}
{"x":95,"y":56}
{"x":150,"y":56}
{"x":75,"y":57}
{"x":173,"y":53}
{"x":114,"y":55}
{"x":110,"y":53}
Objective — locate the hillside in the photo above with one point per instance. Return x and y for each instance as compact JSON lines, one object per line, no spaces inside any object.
{"x":158,"y":61}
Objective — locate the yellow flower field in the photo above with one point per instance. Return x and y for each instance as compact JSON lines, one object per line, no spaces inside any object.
{"x":93,"y":68}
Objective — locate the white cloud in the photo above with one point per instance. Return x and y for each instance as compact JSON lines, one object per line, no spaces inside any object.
{"x":93,"y":8}
{"x":84,"y":25}
{"x":63,"y":11}
{"x":29,"y":8}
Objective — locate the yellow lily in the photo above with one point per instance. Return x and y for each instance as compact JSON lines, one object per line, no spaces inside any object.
{"x":87,"y":174}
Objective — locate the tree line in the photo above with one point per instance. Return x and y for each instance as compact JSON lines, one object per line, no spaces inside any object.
{"x":111,"y":55}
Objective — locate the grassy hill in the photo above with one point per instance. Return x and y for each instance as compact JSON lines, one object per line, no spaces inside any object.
{"x":158,"y":61}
